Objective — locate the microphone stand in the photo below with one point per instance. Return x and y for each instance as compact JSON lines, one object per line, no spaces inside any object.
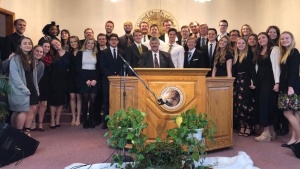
{"x":158,"y":100}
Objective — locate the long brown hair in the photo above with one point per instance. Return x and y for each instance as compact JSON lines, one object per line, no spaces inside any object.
{"x":26,"y":60}
{"x":221,"y":53}
{"x":269,"y":45}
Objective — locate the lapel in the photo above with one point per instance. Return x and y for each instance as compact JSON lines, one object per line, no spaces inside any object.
{"x":135,"y":50}
{"x":161,"y":60}
{"x":151,"y":63}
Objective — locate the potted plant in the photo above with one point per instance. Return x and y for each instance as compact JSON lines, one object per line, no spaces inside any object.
{"x":188,"y":122}
{"x":4,"y":90}
{"x":124,"y":126}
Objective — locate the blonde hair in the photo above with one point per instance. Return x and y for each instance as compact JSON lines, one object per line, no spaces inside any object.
{"x":251,"y":30}
{"x":285,"y":52}
{"x":94,"y":50}
{"x":221,"y":53}
{"x":237,"y":53}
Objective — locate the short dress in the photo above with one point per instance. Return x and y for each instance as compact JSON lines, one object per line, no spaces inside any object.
{"x":222,"y":67}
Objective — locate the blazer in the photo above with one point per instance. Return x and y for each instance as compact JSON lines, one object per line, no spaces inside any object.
{"x":108,"y":65}
{"x":204,"y":49}
{"x":123,"y":41}
{"x":198,"y":43}
{"x":165,"y":60}
{"x":198,"y":60}
{"x":19,"y":99}
{"x":132,"y":56}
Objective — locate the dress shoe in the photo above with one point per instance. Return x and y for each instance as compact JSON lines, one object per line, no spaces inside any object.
{"x":296,"y":149}
{"x":264,"y":137}
{"x":287,"y":145}
{"x":104,"y":126}
{"x":58,"y":125}
{"x":85,"y":125}
{"x":283,"y":132}
{"x":52,"y":127}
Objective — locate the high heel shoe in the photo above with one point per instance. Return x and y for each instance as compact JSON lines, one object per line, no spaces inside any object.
{"x":248,"y":132}
{"x":264,"y":137}
{"x":288,"y":145}
{"x":242,"y":131}
{"x":296,"y":149}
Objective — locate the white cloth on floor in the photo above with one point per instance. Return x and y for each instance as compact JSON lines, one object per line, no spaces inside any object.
{"x":241,"y":161}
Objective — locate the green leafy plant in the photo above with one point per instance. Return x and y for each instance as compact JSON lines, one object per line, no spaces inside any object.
{"x":4,"y":90}
{"x":187,"y":124}
{"x":126,"y":126}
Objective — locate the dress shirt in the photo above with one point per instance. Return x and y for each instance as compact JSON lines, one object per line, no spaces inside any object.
{"x":138,"y":46}
{"x":112,"y":52}
{"x":177,"y":54}
{"x":157,"y":55}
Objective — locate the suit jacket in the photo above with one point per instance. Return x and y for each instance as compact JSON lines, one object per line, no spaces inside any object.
{"x":198,"y":43}
{"x":165,"y":60}
{"x":132,"y":56}
{"x":123,"y":41}
{"x":209,"y":62}
{"x":198,"y":60}
{"x":108,"y":65}
{"x":186,"y":48}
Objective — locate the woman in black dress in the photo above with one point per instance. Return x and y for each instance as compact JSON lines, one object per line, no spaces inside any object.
{"x":75,"y":98}
{"x":87,"y":78}
{"x":43,"y":84}
{"x":244,"y":73}
{"x":58,"y":84}
{"x":223,"y":59}
{"x":267,"y":85}
{"x":289,"y":84}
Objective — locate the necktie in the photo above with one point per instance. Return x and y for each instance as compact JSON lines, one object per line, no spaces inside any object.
{"x":140,"y":49}
{"x":144,"y":38}
{"x":169,"y":51}
{"x":156,"y":65}
{"x":202,"y":42}
{"x":183,"y":42}
{"x":128,"y":40}
{"x":210,"y":53}
{"x":115,"y":56}
{"x":189,"y":57}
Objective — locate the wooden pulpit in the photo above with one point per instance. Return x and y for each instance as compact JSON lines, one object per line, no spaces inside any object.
{"x":181,"y":89}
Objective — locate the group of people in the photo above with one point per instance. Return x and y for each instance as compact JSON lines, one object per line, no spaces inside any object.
{"x":265,"y":67}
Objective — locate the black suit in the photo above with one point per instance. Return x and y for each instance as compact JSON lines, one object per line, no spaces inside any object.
{"x":209,"y":61}
{"x":132,"y":56}
{"x":198,"y":60}
{"x":198,"y":43}
{"x":165,"y":60}
{"x":10,"y":45}
{"x":124,"y":40}
{"x":109,"y":67}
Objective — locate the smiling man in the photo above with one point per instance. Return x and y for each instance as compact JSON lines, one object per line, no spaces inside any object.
{"x":155,"y":58}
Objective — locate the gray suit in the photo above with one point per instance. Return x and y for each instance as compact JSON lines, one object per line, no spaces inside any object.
{"x":165,"y":60}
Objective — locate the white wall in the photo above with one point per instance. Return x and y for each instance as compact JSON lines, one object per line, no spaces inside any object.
{"x":76,"y":15}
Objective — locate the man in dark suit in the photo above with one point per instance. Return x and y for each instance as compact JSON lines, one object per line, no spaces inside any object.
{"x":185,"y":33}
{"x":110,"y":65}
{"x":126,"y":39}
{"x":168,"y":24}
{"x":11,"y":41}
{"x":202,"y":40}
{"x":155,"y":58}
{"x":145,"y":29}
{"x":209,"y":50}
{"x":88,"y":33}
{"x":223,"y":25}
{"x":134,"y":51}
{"x":193,"y":57}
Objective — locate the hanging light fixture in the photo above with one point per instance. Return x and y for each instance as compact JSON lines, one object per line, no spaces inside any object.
{"x":114,"y":1}
{"x":202,"y":1}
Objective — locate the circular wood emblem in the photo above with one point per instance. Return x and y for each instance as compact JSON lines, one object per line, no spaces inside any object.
{"x":173,"y":97}
{"x":156,"y":16}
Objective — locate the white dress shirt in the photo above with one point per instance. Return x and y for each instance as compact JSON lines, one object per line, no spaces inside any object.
{"x":177,"y":54}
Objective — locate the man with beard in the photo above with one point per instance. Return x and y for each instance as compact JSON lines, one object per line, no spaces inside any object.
{"x":126,"y":39}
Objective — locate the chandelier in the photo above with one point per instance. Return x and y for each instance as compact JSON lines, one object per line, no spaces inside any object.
{"x":114,"y":1}
{"x":202,"y":1}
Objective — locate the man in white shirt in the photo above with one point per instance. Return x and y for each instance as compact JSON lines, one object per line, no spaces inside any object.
{"x":145,"y":29}
{"x":154,"y":31}
{"x":176,"y":51}
{"x":223,"y":25}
